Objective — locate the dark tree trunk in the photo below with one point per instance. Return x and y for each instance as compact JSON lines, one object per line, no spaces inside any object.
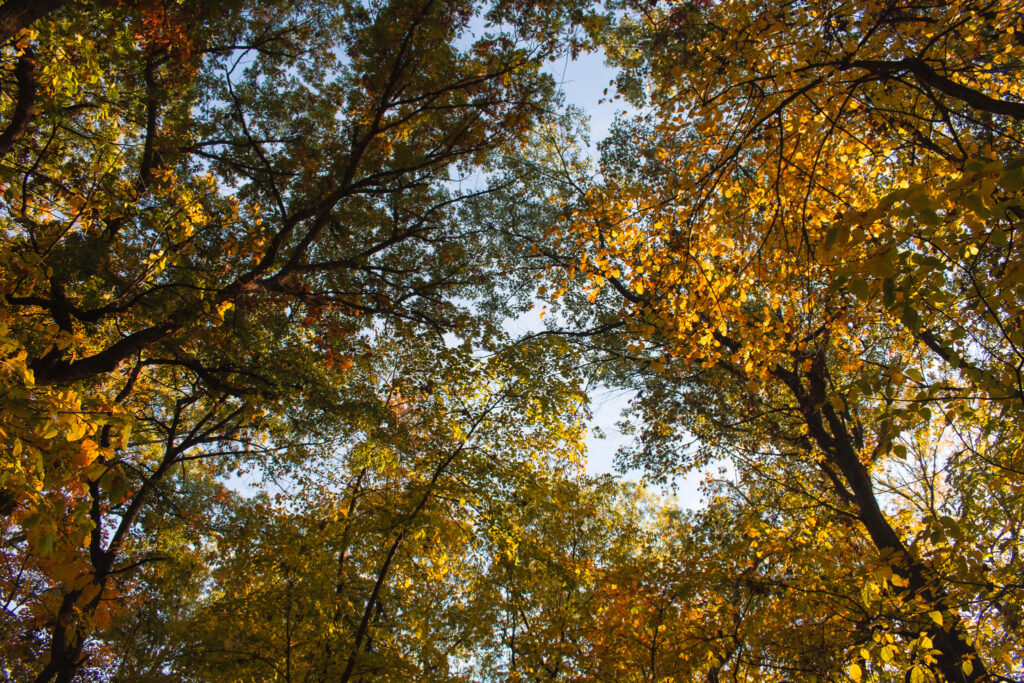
{"x":831,"y":435}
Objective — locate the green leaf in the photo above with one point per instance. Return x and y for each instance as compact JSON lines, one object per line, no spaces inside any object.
{"x":1013,"y":178}
{"x":859,"y":288}
{"x":975,"y":203}
{"x":911,"y":319}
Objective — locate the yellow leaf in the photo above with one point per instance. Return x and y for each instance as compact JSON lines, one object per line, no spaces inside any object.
{"x":967,"y":667}
{"x":855,"y":672}
{"x":76,"y":429}
{"x":223,"y":308}
{"x":936,"y":616}
{"x":86,"y":453}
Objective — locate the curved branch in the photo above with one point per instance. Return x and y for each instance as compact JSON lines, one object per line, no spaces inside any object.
{"x":928,"y":76}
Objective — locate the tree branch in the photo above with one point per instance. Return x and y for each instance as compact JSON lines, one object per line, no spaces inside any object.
{"x":24,"y":74}
{"x":928,"y":76}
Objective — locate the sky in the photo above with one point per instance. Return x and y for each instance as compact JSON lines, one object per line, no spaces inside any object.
{"x":583,"y":81}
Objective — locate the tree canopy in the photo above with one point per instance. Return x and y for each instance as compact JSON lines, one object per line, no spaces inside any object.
{"x":262,"y":417}
{"x":811,"y":239}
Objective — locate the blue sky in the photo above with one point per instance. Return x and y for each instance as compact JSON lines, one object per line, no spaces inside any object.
{"x":583,"y":81}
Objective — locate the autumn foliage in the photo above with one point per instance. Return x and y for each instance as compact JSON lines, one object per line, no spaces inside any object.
{"x":261,"y":416}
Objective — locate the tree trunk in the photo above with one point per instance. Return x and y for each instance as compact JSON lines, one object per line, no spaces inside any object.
{"x":830,"y":434}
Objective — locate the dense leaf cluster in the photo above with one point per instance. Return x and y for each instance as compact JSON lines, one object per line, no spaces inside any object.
{"x":261,"y":417}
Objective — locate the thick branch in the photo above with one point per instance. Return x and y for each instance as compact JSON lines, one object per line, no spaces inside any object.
{"x":102,"y":362}
{"x":149,"y":156}
{"x":928,"y":76}
{"x":24,"y":74}
{"x":831,"y":435}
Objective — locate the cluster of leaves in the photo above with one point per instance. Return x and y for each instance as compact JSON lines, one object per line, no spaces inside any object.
{"x":805,"y":256}
{"x":236,"y":256}
{"x":261,"y":420}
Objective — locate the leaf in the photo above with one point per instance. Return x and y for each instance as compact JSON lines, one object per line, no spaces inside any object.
{"x":859,"y":288}
{"x":936,"y":616}
{"x":85,"y":453}
{"x":910,"y":318}
{"x":222,"y":308}
{"x":77,"y":428}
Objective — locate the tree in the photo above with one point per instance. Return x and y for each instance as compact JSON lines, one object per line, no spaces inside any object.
{"x":805,"y":257}
{"x":238,"y":243}
{"x":364,"y":562}
{"x":543,"y":575}
{"x":599,"y":580}
{"x":208,"y":212}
